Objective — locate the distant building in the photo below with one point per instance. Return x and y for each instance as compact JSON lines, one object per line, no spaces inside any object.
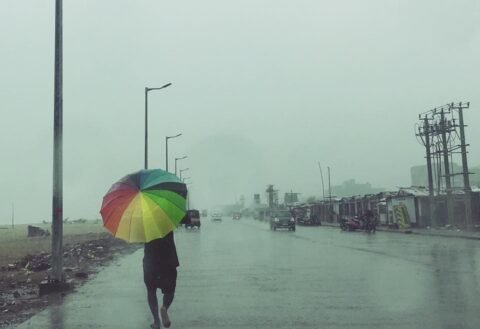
{"x":419,"y":175}
{"x":350,"y":187}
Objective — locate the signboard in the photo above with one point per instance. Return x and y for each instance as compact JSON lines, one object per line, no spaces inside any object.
{"x":291,"y":198}
{"x":403,"y":210}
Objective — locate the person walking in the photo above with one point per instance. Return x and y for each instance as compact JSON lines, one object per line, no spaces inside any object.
{"x":160,"y":264}
{"x":369,"y":219}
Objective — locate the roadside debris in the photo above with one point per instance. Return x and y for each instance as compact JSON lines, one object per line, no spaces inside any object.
{"x":19,"y":280}
{"x":34,"y":231}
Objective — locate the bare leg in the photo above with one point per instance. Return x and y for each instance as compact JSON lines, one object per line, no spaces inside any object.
{"x":153,"y":304}
{"x":167,"y":301}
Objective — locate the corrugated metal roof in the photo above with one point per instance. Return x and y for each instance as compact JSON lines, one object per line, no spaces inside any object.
{"x":413,"y":191}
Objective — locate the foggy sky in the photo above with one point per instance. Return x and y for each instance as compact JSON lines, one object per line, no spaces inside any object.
{"x":262,"y":90}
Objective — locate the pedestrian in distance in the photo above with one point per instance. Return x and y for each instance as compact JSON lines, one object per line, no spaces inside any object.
{"x":370,"y":225}
{"x":160,"y":264}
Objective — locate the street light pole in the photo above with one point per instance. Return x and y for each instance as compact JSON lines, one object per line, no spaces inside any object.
{"x":146,"y":119}
{"x":188,"y":194}
{"x":146,"y":130}
{"x":166,"y":149}
{"x":182,"y":170}
{"x":57,"y":199}
{"x":176,"y":159}
{"x":13,"y":220}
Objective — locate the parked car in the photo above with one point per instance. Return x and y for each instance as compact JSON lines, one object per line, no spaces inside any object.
{"x":216,"y":217}
{"x":306,"y":215}
{"x":282,"y":219}
{"x":193,"y":220}
{"x":185,"y":220}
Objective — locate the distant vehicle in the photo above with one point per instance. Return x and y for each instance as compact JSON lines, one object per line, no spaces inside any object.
{"x":185,"y":220}
{"x":306,"y":216}
{"x":352,"y":224}
{"x":193,"y":219}
{"x":282,"y":219}
{"x":204,"y":212}
{"x":216,"y":217}
{"x":366,"y":222}
{"x":262,"y":214}
{"x":236,"y":215}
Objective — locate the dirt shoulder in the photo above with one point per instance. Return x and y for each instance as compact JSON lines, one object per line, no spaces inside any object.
{"x":22,"y":270}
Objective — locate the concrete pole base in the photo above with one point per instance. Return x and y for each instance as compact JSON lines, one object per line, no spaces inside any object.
{"x":53,"y":286}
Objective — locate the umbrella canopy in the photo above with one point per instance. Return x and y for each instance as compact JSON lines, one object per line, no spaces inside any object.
{"x":144,"y":206}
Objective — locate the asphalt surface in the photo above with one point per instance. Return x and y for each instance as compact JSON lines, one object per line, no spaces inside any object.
{"x":239,"y":274}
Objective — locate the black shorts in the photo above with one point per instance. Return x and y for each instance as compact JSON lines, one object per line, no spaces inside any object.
{"x":164,"y":279}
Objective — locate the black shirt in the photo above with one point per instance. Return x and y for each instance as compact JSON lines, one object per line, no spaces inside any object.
{"x":162,"y":252}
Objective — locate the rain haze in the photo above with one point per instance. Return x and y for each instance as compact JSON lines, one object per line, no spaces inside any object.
{"x":261,"y":91}
{"x":252,"y":104}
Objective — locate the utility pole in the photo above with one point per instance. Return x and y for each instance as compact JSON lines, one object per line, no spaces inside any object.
{"x":438,"y":135}
{"x":166,"y":153}
{"x":329,"y":197}
{"x":57,"y":200}
{"x":431,"y":196}
{"x":438,"y":158}
{"x":321,"y":176}
{"x":13,"y":221}
{"x":446,"y":164}
{"x":323,"y":189}
{"x":466,"y":178}
{"x":425,"y":135}
{"x":13,"y":216}
{"x":145,"y":161}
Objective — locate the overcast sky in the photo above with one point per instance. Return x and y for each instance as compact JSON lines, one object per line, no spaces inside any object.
{"x":262,"y":90}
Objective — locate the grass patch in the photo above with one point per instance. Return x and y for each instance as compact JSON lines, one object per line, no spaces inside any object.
{"x":14,"y":243}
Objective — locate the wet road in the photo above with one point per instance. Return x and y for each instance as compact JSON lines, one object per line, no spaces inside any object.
{"x":239,"y":274}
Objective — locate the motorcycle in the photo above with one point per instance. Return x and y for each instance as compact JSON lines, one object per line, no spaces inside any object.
{"x":352,"y":224}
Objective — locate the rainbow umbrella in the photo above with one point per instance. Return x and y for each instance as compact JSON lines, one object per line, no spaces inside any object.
{"x":144,"y":206}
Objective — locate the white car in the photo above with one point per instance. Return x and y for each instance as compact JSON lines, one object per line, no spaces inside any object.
{"x":216,"y":217}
